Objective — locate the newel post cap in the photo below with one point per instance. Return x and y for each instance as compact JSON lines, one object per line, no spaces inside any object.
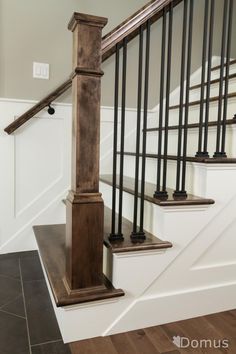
{"x":90,"y":20}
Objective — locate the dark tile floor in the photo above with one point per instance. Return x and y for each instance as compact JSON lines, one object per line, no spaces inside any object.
{"x":27,"y":321}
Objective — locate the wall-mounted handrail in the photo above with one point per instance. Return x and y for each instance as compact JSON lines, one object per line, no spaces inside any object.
{"x":128,"y":29}
{"x":45,"y":102}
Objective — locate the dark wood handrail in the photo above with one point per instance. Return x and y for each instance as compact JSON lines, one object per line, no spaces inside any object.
{"x":38,"y":107}
{"x":128,"y":29}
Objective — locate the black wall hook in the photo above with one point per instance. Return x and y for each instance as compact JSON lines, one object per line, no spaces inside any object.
{"x":51,"y":110}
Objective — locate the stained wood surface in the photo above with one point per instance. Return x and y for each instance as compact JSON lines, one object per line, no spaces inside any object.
{"x":127,"y":245}
{"x":150,"y":189}
{"x":51,"y":242}
{"x":38,"y":107}
{"x":84,"y":204}
{"x":159,"y":339}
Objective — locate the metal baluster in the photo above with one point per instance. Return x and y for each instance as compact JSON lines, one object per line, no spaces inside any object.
{"x":221,"y":83}
{"x":168,"y":77}
{"x":141,"y":234}
{"x":203,"y":77}
{"x":189,"y":58}
{"x":139,"y":107}
{"x":177,"y":192}
{"x":209,"y":65}
{"x":229,"y":39}
{"x":158,"y":192}
{"x":113,"y":235}
{"x":122,"y":138}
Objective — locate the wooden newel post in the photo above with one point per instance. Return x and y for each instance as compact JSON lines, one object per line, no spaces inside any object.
{"x":84,"y":206}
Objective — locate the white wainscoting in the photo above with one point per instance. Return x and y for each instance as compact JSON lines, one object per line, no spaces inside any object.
{"x":35,"y":172}
{"x":35,"y":168}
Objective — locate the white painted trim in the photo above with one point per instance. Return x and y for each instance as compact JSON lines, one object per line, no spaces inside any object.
{"x":62,"y":104}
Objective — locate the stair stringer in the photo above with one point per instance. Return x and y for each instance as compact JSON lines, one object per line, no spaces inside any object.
{"x":194,"y":283}
{"x":148,"y":278}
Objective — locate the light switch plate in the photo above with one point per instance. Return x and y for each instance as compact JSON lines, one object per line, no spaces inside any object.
{"x":41,"y":71}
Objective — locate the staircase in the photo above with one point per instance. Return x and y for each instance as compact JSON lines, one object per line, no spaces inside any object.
{"x":161,"y":249}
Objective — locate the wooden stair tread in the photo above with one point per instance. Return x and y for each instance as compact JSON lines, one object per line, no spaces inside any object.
{"x":208,"y":160}
{"x":149,"y":190}
{"x":212,"y":82}
{"x":233,"y":61}
{"x":212,"y":99}
{"x":193,"y":125}
{"x":51,"y":242}
{"x":127,"y":245}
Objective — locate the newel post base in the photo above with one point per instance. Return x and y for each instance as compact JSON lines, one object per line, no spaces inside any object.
{"x":84,"y":242}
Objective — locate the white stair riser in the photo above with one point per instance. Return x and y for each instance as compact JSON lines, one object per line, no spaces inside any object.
{"x":153,"y":121}
{"x":196,"y":93}
{"x":192,"y":147}
{"x":151,"y":168}
{"x":215,"y":74}
{"x":194,"y":112}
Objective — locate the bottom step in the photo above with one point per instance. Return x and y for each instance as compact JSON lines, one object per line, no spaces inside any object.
{"x":51,"y":242}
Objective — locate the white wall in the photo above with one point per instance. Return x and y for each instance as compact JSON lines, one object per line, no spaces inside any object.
{"x":35,"y":169}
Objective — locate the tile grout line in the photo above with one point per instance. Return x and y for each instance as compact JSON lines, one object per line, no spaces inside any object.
{"x":9,"y":277}
{"x":52,"y":341}
{"x":31,"y":281}
{"x":13,"y":314}
{"x":9,"y":302}
{"x":26,"y":317}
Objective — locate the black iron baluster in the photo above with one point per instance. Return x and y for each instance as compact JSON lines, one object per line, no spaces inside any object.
{"x":168,"y":77}
{"x":113,"y":235}
{"x":209,"y":65}
{"x":141,"y":233}
{"x":222,"y":64}
{"x":229,"y":39}
{"x":203,"y":77}
{"x":158,"y":192}
{"x":177,"y":192}
{"x":122,"y":138}
{"x":139,"y":107}
{"x":189,"y":58}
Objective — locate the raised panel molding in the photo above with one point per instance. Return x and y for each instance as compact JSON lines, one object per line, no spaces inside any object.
{"x":37,"y":168}
{"x":32,"y":189}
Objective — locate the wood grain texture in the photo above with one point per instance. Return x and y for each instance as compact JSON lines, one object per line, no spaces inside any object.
{"x":84,"y":205}
{"x":150,"y":189}
{"x":129,"y":245}
{"x":130,"y":27}
{"x":159,"y":339}
{"x":51,"y":242}
{"x":38,"y":107}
